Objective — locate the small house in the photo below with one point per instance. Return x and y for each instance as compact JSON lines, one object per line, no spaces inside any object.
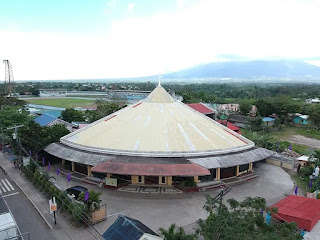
{"x":239,"y":120}
{"x":301,"y":119}
{"x":304,"y":160}
{"x":269,"y":121}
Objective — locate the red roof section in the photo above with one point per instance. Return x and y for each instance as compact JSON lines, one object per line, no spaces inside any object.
{"x":302,"y":210}
{"x":200,"y":108}
{"x":137,"y":169}
{"x":229,"y":125}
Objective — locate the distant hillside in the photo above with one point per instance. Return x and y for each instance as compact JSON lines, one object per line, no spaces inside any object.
{"x":249,"y":69}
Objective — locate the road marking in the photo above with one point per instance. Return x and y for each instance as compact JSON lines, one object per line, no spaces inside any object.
{"x":4,"y":183}
{"x":3,"y":188}
{"x":7,"y":181}
{"x":11,"y":194}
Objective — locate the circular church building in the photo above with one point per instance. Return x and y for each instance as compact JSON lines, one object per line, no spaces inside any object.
{"x":157,"y":141}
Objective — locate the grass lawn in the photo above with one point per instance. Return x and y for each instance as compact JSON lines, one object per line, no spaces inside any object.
{"x":62,"y":102}
{"x":292,"y":130}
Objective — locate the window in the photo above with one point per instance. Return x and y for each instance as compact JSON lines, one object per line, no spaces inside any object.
{"x":163,"y":180}
{"x":243,"y":167}
{"x":140,"y":179}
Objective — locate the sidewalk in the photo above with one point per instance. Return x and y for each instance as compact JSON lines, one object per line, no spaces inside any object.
{"x":63,"y":229}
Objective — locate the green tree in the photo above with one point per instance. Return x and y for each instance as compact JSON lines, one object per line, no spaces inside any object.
{"x":13,"y":116}
{"x":245,"y":106}
{"x":11,"y":102}
{"x":313,"y":111}
{"x":35,"y":92}
{"x":35,"y":137}
{"x":242,"y":220}
{"x":103,"y":109}
{"x":265,"y":107}
{"x":255,"y":123}
{"x":284,"y":105}
{"x":71,"y":115}
{"x":56,"y":132}
{"x":176,"y":233}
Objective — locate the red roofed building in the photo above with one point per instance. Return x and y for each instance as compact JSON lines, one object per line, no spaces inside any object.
{"x":200,"y":107}
{"x":230,"y":126}
{"x":301,"y":210}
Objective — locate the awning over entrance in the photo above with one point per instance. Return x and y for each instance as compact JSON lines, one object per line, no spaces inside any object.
{"x":75,"y":155}
{"x":229,"y":160}
{"x":189,"y":169}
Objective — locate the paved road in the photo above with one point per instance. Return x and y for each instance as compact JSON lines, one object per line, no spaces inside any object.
{"x":26,"y":216}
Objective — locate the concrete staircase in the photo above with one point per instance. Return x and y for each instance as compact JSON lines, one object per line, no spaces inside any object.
{"x":232,"y":181}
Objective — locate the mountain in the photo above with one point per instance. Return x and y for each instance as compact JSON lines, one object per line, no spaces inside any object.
{"x":250,"y":69}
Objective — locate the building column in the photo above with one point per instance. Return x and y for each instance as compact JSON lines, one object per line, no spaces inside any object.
{"x":250,"y":166}
{"x":134,"y":179}
{"x":63,"y":162}
{"x":89,"y":170}
{"x":237,"y":172}
{"x":196,"y":179}
{"x":218,"y":173}
{"x":73,"y":166}
{"x":169,"y":180}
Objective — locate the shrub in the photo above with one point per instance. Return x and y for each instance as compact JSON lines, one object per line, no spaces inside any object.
{"x":77,"y":213}
{"x":306,"y":171}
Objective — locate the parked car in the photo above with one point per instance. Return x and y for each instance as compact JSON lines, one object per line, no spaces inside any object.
{"x":76,"y":190}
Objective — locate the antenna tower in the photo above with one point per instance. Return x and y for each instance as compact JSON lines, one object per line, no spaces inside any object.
{"x":8,"y":82}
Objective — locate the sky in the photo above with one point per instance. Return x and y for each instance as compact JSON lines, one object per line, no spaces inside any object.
{"x":88,"y":39}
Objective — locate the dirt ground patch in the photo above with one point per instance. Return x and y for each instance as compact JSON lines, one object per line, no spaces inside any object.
{"x":301,"y":140}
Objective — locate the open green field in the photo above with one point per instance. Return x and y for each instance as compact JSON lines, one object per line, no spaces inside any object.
{"x":62,"y":102}
{"x":292,"y":130}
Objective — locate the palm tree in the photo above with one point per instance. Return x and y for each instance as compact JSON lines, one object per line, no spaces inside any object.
{"x":176,"y":233}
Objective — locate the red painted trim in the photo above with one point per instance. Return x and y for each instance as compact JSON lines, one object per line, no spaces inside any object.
{"x":235,"y":136}
{"x":136,"y":105}
{"x":110,"y":118}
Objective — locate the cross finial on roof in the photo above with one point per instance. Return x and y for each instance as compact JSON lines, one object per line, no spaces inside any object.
{"x":159,"y":79}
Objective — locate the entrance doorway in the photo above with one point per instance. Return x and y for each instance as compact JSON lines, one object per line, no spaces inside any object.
{"x":151,"y":180}
{"x":228,"y":172}
{"x":81,"y":168}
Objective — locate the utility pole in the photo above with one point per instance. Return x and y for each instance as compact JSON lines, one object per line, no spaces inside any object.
{"x":15,"y":136}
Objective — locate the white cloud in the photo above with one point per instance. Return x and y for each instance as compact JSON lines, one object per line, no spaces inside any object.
{"x":167,"y":42}
{"x":180,"y":3}
{"x":110,"y":6}
{"x":131,"y":7}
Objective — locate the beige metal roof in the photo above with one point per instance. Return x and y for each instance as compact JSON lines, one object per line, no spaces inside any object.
{"x":157,"y":126}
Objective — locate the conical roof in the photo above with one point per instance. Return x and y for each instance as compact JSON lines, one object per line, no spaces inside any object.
{"x":158,"y":126}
